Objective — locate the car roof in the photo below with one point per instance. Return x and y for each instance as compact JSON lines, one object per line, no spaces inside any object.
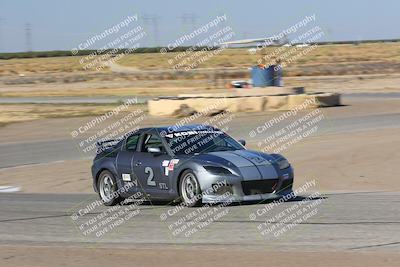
{"x":175,"y":128}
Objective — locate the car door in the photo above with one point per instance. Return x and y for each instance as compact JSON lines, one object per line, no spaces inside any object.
{"x":125,"y":160}
{"x":152,"y":168}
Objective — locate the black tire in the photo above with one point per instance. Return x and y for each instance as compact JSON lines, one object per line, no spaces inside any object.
{"x":108,"y":193}
{"x":189,"y":189}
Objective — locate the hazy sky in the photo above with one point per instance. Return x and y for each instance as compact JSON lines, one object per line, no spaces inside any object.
{"x":61,"y":25}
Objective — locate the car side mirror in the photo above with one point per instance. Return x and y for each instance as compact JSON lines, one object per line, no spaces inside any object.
{"x":154,"y":150}
{"x":243,"y":142}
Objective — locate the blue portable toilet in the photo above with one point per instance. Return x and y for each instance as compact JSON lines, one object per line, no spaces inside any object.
{"x":262,"y":77}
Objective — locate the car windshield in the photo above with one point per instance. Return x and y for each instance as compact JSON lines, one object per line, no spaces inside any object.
{"x":196,"y":141}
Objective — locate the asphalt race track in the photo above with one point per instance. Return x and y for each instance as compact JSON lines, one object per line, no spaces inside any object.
{"x":345,"y":221}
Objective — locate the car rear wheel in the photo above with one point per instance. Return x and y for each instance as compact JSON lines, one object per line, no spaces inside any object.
{"x":108,"y":189}
{"x":189,"y":189}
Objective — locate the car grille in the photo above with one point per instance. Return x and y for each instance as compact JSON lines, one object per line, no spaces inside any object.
{"x":259,"y":186}
{"x":287,"y":184}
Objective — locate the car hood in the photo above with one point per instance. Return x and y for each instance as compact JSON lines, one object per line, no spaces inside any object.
{"x":251,"y":165}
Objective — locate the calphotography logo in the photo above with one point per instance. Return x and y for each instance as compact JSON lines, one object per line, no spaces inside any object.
{"x":109,"y":128}
{"x":289,"y":128}
{"x":107,"y":32}
{"x":279,"y":219}
{"x":92,"y":221}
{"x":120,"y":39}
{"x":212,"y":44}
{"x":182,"y":222}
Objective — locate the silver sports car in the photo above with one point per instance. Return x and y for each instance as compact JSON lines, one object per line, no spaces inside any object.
{"x":194,"y":164}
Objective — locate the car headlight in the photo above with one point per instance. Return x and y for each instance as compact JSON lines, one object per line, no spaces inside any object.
{"x":283,"y":163}
{"x":217,"y":170}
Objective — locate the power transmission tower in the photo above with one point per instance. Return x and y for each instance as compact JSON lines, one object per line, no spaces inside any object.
{"x":152,"y":20}
{"x":28,"y":37}
{"x":189,"y":19}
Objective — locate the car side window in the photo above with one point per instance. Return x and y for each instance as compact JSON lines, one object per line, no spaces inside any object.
{"x":152,"y":140}
{"x":131,"y":142}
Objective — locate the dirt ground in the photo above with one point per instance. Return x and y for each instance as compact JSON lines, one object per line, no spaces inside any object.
{"x":45,"y":256}
{"x":14,"y":113}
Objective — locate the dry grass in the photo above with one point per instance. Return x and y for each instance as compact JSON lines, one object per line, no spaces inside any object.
{"x":26,"y":66}
{"x":92,"y":92}
{"x":329,"y":54}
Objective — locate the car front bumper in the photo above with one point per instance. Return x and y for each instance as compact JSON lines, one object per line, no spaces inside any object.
{"x":238,"y":189}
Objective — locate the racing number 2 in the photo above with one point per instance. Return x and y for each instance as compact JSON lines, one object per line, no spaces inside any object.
{"x":150,"y":178}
